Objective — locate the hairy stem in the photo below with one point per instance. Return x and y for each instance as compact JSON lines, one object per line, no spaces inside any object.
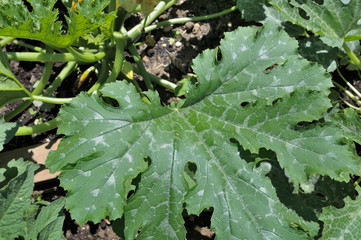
{"x":39,"y":88}
{"x":52,"y":100}
{"x":135,"y":33}
{"x":120,"y":42}
{"x":188,"y":19}
{"x":348,"y":93}
{"x":158,"y":80}
{"x":40,"y":128}
{"x":349,"y":84}
{"x":65,"y":72}
{"x":46,"y":75}
{"x":6,"y":40}
{"x":41,"y":57}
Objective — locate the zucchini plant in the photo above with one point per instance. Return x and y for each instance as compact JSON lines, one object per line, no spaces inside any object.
{"x":259,"y":137}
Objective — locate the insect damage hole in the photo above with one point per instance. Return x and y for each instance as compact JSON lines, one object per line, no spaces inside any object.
{"x":28,"y":5}
{"x":269,"y":69}
{"x":218,"y":57}
{"x":199,"y":227}
{"x":135,"y":182}
{"x":110,"y":101}
{"x":303,"y":14}
{"x":190,"y":169}
{"x":243,"y":104}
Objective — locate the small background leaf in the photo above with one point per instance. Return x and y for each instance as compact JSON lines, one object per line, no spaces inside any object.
{"x":342,"y":223}
{"x":15,"y":202}
{"x":42,"y":22}
{"x":336,"y":21}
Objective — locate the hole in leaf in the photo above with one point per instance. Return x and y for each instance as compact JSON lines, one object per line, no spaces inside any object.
{"x":305,"y":124}
{"x":269,"y":69}
{"x":199,"y":227}
{"x":138,"y":178}
{"x":319,"y":2}
{"x":110,"y":101}
{"x":63,"y":13}
{"x":326,"y":193}
{"x":263,"y":154}
{"x":190,"y":169}
{"x":218,"y":56}
{"x":244,"y":104}
{"x":276,"y":101}
{"x":148,"y":160}
{"x":28,"y":5}
{"x":358,"y":148}
{"x":303,"y":14}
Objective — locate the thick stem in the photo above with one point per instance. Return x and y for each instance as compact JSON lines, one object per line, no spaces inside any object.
{"x":19,"y":109}
{"x":41,"y":57}
{"x":350,"y":105}
{"x":40,"y":128}
{"x":135,"y":33}
{"x":120,"y":42}
{"x":86,"y":57}
{"x":29,"y":46}
{"x":349,"y":84}
{"x":138,"y":61}
{"x":65,"y":72}
{"x":46,"y":75}
{"x":348,"y":93}
{"x":102,"y":76}
{"x":5,"y":41}
{"x":354,"y":59}
{"x":158,"y":80}
{"x":39,"y":88}
{"x":52,"y":100}
{"x":188,"y":19}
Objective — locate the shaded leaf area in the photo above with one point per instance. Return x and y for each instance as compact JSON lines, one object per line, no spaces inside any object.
{"x":253,"y":10}
{"x":313,"y":49}
{"x":41,"y":23}
{"x":259,"y":11}
{"x":309,"y":205}
{"x":342,"y":223}
{"x":10,"y":88}
{"x":255,"y":92}
{"x":19,"y":216}
{"x":336,"y":21}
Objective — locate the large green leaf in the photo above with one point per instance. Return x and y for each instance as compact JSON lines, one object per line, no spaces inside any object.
{"x":10,"y":88}
{"x":42,"y":22}
{"x":336,"y":21}
{"x":257,"y":92}
{"x":342,"y":223}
